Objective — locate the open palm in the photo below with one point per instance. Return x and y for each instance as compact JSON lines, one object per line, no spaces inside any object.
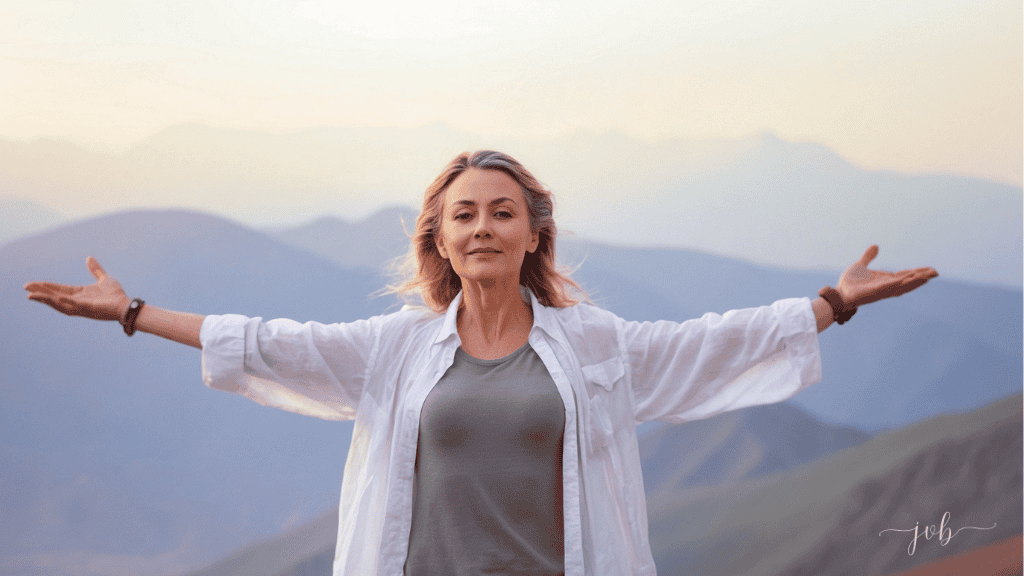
{"x":858,"y":285}
{"x":104,"y":300}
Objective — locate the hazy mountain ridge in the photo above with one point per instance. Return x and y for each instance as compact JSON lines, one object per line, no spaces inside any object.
{"x":795,"y":204}
{"x":737,"y":445}
{"x":826,"y":517}
{"x":306,"y":550}
{"x":115,"y":451}
{"x":381,"y":236}
{"x":22,"y":217}
{"x":1002,"y":558}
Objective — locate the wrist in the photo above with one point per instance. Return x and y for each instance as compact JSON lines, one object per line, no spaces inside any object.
{"x":128,"y":320}
{"x":848,"y":298}
{"x":842,"y":310}
{"x":123,"y":305}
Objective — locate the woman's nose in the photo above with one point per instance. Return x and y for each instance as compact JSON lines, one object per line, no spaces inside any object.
{"x":483,"y":227}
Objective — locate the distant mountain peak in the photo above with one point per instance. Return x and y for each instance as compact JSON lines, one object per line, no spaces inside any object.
{"x":20,"y":217}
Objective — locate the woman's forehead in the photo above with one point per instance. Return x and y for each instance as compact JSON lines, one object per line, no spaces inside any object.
{"x":483,"y":187}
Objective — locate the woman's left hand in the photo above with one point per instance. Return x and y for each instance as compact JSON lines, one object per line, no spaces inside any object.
{"x":859,"y":286}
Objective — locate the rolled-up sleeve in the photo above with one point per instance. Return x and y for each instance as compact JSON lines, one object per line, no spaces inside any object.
{"x":703,"y":367}
{"x":311,"y":369}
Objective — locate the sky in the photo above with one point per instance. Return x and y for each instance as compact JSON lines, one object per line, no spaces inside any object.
{"x":914,"y":86}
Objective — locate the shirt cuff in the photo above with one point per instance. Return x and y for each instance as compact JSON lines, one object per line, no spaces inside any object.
{"x":223,"y":340}
{"x":799,"y":328}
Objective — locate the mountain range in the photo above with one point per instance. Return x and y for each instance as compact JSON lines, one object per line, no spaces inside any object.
{"x":115,"y":460}
{"x":762,"y":199}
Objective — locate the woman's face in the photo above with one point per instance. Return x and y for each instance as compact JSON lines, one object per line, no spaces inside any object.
{"x":485,"y":227}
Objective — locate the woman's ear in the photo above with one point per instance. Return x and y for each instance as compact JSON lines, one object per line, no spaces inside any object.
{"x":534,"y":242}
{"x":440,"y":246}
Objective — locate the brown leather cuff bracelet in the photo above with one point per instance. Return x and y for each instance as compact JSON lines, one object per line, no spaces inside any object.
{"x":841,"y":311}
{"x":128,"y":322}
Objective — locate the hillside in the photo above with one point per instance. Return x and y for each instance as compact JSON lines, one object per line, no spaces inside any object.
{"x":115,"y":457}
{"x":828,"y":517}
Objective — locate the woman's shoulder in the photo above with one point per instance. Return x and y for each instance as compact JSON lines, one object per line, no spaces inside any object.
{"x":586,"y":312}
{"x":584,"y":321}
{"x":590,"y":332}
{"x":409,"y":317}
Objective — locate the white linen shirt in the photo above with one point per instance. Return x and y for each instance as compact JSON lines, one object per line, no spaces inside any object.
{"x":611,"y":374}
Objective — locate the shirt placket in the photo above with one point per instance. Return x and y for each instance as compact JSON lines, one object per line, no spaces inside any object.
{"x":572,"y":518}
{"x":395,"y":545}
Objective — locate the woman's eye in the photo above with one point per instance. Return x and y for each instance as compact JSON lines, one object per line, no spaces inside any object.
{"x":504,"y":214}
{"x":463,"y":216}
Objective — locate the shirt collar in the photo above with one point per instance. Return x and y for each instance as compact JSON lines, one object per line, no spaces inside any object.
{"x":543,"y":316}
{"x":449,"y":327}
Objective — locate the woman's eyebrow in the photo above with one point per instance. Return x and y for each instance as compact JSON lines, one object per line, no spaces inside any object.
{"x":494,"y":202}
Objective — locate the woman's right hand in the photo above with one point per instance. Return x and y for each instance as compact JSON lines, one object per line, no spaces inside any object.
{"x":104,"y":300}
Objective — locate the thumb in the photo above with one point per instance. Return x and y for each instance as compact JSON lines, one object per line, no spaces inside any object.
{"x":95,"y":268}
{"x":868,"y":255}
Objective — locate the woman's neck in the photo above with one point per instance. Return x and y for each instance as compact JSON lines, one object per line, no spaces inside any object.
{"x":492,"y":313}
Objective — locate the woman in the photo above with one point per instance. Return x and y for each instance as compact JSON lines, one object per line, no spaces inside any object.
{"x":495,"y":432}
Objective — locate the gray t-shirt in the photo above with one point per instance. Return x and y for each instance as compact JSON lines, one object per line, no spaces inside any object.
{"x":488,"y":489}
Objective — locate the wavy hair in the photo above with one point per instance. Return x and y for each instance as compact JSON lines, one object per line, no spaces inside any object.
{"x":425,"y":273}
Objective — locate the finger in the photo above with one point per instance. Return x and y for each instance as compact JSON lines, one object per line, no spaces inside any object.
{"x":924,"y":274}
{"x":40,"y":298}
{"x":916,"y":273}
{"x":68,"y":305}
{"x":911,"y":281}
{"x":44,"y":298}
{"x":924,"y":270}
{"x":911,"y":285}
{"x":51,"y":287}
{"x":51,"y":302}
{"x":868,"y":255}
{"x":95,"y":268}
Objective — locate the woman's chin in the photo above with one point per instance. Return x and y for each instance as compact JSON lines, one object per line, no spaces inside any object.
{"x":487,"y":278}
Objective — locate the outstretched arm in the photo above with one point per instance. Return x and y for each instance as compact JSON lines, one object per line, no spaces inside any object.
{"x":106,"y":300}
{"x":860,"y":286}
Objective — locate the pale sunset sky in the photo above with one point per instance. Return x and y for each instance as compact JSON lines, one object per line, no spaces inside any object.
{"x":915,"y":86}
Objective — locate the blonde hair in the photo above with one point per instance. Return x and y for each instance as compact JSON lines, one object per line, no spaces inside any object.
{"x":432,"y":277}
